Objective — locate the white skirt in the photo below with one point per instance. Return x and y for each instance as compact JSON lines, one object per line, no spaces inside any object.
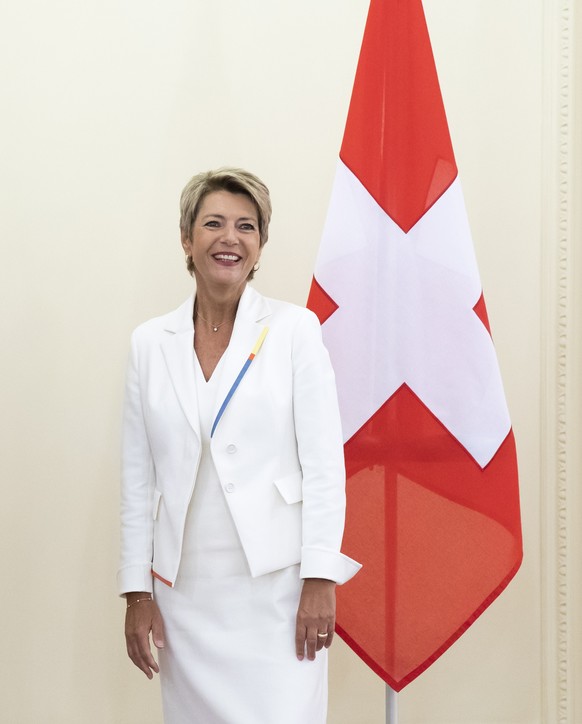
{"x":230,"y":656}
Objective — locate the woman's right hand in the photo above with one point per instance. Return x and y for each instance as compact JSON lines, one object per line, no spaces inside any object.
{"x":140,"y":619}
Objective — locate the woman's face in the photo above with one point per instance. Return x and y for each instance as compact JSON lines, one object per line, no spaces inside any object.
{"x":224,"y":242}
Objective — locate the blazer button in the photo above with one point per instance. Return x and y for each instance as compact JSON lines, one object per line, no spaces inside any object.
{"x":229,"y":487}
{"x":231,"y":448}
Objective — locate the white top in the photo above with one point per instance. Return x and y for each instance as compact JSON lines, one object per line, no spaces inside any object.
{"x":211,"y":543}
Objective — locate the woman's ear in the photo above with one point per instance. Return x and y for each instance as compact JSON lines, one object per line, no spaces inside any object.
{"x":186,"y":245}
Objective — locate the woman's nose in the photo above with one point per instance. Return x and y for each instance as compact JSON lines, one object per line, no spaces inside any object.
{"x":230,"y":235}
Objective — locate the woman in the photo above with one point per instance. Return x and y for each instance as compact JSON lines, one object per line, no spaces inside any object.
{"x":233,"y":482}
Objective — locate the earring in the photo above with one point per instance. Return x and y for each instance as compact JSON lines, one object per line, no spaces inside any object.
{"x":256,"y":267}
{"x":188,"y":259}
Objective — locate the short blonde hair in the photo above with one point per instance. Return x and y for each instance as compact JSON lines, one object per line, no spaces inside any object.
{"x":234,"y":180}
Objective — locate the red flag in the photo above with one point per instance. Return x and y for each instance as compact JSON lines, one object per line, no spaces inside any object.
{"x":433,"y":503}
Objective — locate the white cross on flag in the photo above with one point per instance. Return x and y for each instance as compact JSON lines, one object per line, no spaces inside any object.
{"x":433,"y":503}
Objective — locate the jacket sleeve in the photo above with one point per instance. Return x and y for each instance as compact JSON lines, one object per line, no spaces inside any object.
{"x":320,"y":448}
{"x":137,"y":487}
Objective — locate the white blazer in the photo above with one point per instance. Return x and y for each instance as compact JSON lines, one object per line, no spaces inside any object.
{"x":277,"y":446}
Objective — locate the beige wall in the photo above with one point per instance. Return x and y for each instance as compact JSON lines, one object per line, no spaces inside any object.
{"x":108,"y":107}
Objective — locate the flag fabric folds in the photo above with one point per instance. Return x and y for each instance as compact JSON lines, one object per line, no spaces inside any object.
{"x":433,"y":502}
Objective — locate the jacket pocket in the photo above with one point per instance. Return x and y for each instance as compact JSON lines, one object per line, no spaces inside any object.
{"x":156,"y":503}
{"x":291,"y":487}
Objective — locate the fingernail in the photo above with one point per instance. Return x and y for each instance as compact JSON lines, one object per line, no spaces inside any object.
{"x":300,"y":657}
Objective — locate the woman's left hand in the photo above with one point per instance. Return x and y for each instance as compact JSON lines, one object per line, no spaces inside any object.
{"x":315,"y":615}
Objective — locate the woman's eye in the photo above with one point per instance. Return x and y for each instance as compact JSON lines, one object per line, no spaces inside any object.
{"x":213,"y":224}
{"x":247,"y":227}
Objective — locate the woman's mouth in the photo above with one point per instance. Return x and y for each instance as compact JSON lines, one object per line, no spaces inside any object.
{"x":227,"y":258}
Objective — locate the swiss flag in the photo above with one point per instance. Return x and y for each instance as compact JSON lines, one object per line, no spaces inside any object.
{"x":433,"y":502}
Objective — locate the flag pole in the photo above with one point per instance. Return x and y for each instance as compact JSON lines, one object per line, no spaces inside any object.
{"x":391,"y":706}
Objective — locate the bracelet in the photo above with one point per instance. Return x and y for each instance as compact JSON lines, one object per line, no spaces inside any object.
{"x":139,"y":600}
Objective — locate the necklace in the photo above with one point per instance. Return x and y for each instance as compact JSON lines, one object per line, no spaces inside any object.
{"x":215,"y":327}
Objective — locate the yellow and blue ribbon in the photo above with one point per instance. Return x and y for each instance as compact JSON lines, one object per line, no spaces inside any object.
{"x":241,"y":374}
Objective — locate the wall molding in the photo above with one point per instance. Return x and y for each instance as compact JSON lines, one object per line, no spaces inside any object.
{"x":556,"y":312}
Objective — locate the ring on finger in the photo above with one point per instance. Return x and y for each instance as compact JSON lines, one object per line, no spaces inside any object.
{"x":322,"y":635}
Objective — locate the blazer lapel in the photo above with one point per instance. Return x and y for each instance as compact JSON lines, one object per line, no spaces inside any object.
{"x":251,"y":317}
{"x":178,"y":351}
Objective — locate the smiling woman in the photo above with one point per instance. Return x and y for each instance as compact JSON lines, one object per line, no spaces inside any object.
{"x":235,"y":577}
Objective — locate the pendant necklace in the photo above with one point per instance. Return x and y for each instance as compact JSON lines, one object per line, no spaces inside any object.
{"x":215,"y":327}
